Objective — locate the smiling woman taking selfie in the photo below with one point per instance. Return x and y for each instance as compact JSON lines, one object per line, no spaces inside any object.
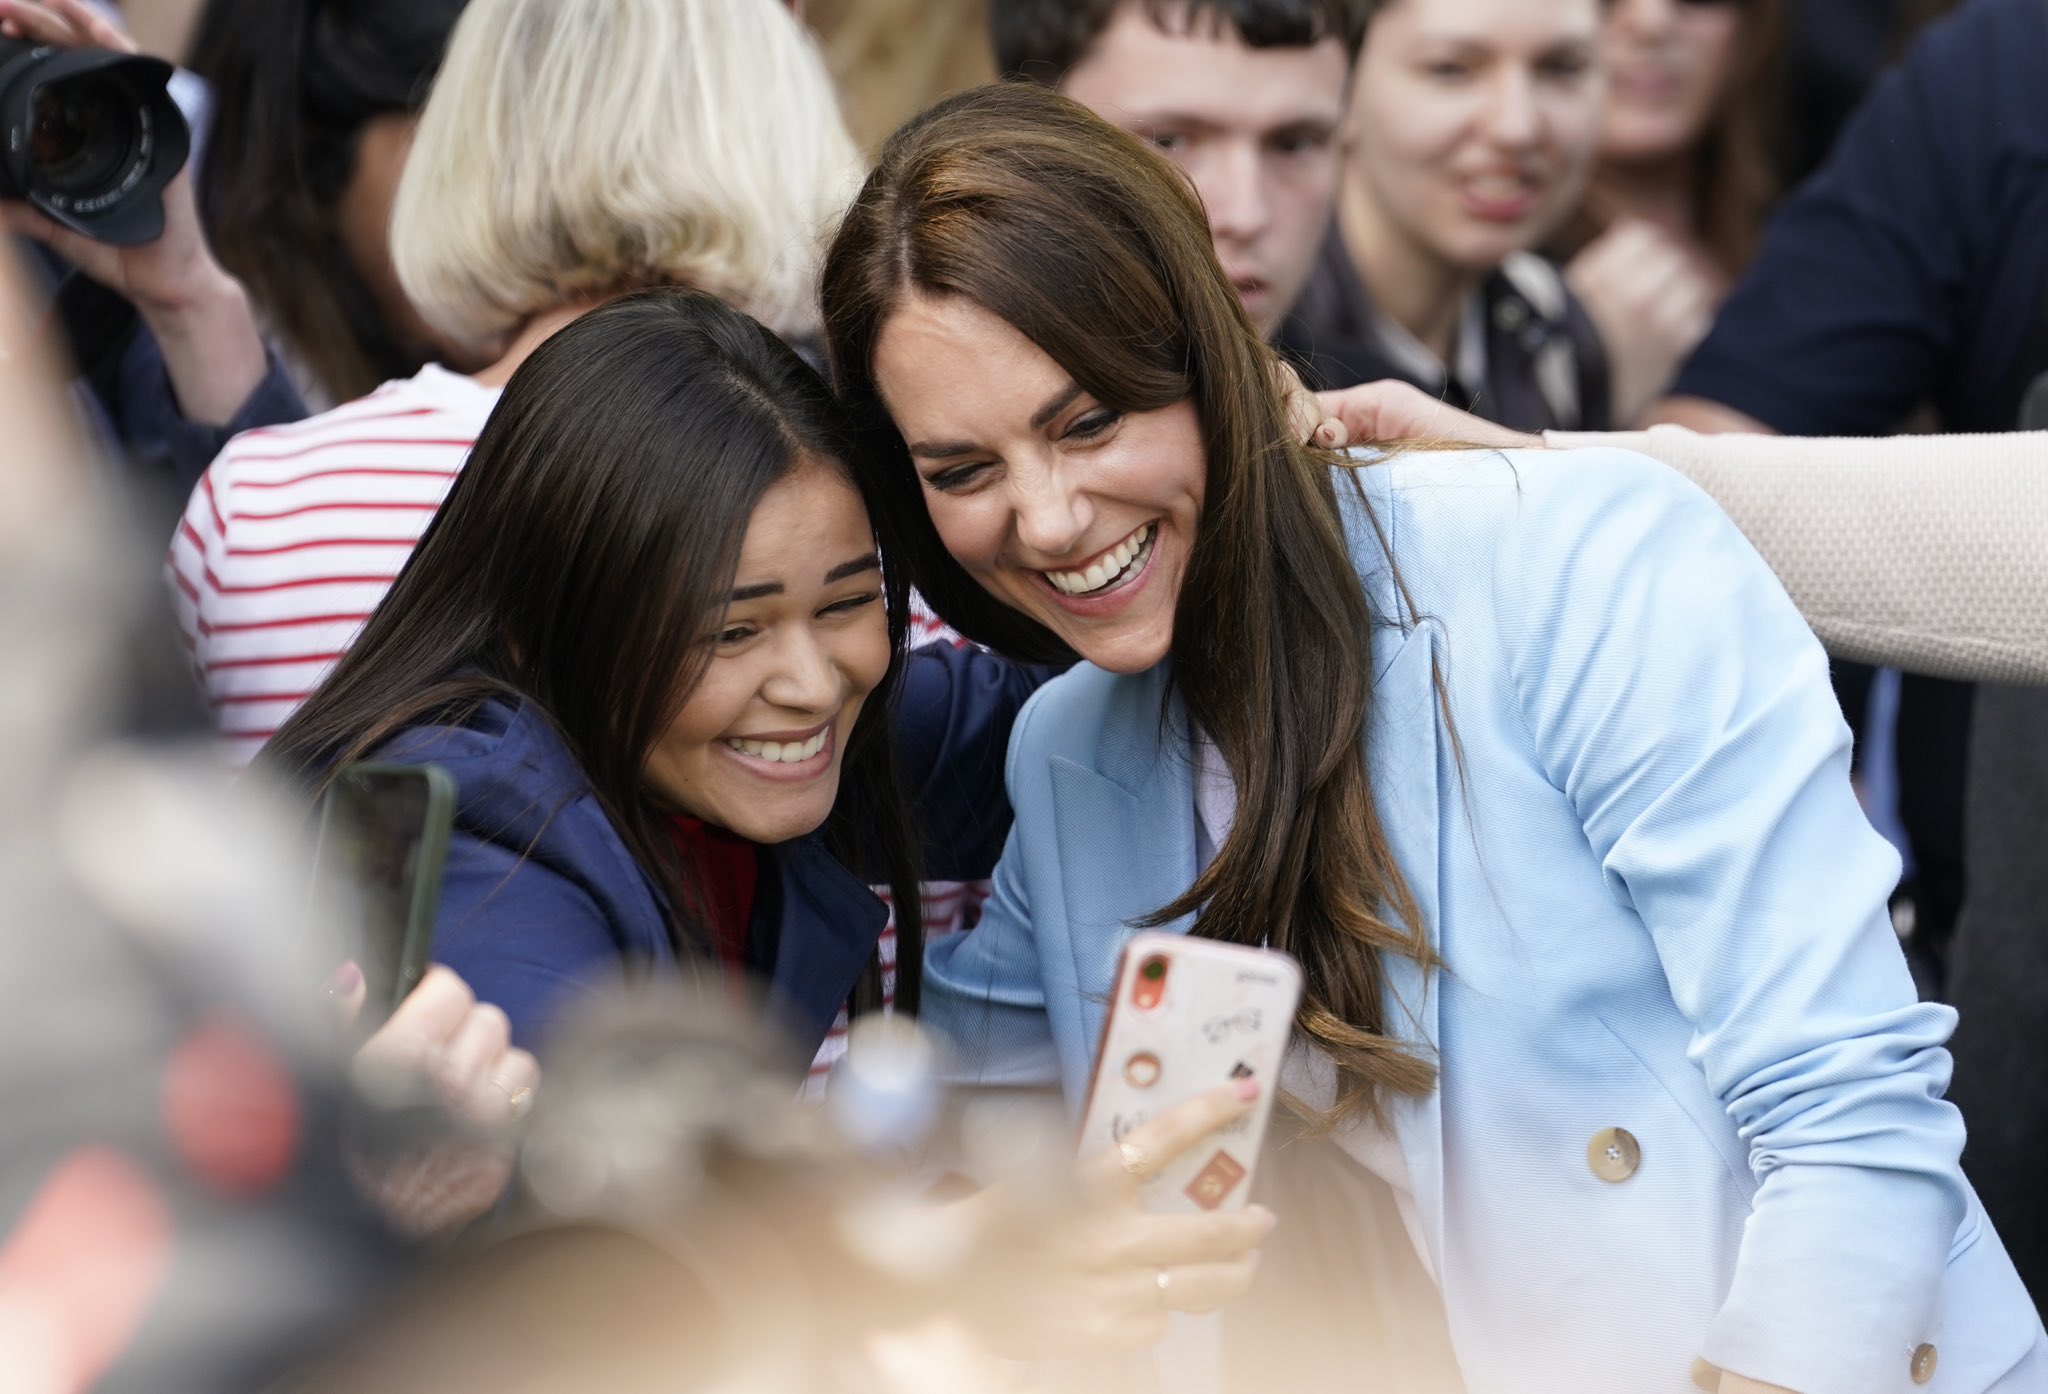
{"x":649,"y":637}
{"x":1525,"y":756}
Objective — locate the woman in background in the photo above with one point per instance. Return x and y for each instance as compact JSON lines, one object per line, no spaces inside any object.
{"x":1684,"y":181}
{"x":314,"y":106}
{"x":1472,"y":128}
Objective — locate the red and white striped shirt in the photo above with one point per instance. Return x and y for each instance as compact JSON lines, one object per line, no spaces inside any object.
{"x":295,"y":533}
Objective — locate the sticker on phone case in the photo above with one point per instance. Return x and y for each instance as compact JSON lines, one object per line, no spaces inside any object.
{"x":1214,"y":1183}
{"x":1245,"y":1021}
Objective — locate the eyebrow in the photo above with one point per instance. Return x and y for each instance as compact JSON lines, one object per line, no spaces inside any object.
{"x":846,"y":570}
{"x":946,"y":449}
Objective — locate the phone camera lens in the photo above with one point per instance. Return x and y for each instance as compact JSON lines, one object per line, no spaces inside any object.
{"x":1154,"y":969}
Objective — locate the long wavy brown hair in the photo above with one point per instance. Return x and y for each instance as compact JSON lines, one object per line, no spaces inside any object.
{"x":1098,"y":251}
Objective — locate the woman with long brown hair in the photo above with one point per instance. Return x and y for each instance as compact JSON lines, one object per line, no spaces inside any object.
{"x":1525,"y":756}
{"x":1685,"y":179}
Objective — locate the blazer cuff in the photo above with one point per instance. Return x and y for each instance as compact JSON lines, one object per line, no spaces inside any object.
{"x":1838,"y":1281}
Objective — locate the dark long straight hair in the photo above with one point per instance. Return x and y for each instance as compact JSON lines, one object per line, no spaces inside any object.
{"x":294,"y":83}
{"x":1098,"y":251}
{"x":583,"y":556}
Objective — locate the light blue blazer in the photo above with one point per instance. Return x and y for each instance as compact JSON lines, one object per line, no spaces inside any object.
{"x":1660,"y":910}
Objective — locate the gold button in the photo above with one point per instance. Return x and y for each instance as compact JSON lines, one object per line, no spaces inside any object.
{"x":1924,"y":1360}
{"x":1614,"y":1154}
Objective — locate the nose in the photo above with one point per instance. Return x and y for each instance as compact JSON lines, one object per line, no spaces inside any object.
{"x":1234,"y":193}
{"x":1049,"y":515}
{"x":1643,"y":18}
{"x":805,"y":678}
{"x":1514,"y":118}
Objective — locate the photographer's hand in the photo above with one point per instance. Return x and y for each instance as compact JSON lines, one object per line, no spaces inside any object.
{"x":199,"y":314}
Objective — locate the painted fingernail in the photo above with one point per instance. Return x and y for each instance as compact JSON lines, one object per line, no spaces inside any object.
{"x":1247,"y":1089}
{"x":344,"y":980}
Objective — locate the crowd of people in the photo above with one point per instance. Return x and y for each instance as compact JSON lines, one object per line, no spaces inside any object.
{"x":1424,"y":486}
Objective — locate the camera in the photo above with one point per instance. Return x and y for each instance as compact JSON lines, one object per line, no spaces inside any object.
{"x":91,"y":138}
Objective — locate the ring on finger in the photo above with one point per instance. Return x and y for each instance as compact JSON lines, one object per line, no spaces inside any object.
{"x":1164,"y":1278}
{"x":519,"y":1102}
{"x":1131,"y":1158}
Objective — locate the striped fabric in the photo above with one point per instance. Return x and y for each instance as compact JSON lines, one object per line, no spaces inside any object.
{"x":296,"y":532}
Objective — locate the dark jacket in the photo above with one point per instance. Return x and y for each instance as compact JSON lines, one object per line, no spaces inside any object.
{"x":1544,"y":365}
{"x":542,"y":903}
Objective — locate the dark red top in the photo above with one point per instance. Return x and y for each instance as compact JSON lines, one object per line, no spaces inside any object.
{"x":731,"y":869}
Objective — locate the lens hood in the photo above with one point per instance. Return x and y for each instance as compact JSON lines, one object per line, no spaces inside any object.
{"x":90,"y":137}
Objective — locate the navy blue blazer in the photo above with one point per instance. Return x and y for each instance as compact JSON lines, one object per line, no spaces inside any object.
{"x":542,"y":904}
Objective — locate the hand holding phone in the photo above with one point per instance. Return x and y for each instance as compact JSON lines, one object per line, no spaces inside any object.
{"x":1095,"y":1271}
{"x":1191,"y":1015}
{"x":383,"y":841}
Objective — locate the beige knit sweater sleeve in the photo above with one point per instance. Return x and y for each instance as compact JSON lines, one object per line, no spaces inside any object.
{"x":1927,"y":553}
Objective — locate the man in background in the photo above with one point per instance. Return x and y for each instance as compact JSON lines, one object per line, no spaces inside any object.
{"x":1246,"y":96}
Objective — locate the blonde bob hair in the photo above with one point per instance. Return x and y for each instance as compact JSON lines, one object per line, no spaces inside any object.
{"x":574,"y":149}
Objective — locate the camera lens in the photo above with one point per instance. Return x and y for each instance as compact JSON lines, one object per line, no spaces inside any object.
{"x":82,"y":136}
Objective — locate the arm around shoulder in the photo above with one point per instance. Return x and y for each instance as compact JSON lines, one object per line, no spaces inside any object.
{"x":1915,"y":552}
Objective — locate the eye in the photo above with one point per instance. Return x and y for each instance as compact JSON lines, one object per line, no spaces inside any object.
{"x":852,"y":603}
{"x":1169,"y":142}
{"x":735,"y":634}
{"x":956,"y":478}
{"x":1448,"y":70}
{"x":1565,"y":67}
{"x":1300,"y":142}
{"x":1094,"y":424}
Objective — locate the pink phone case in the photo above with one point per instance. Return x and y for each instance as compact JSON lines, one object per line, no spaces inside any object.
{"x":1212,"y":1014}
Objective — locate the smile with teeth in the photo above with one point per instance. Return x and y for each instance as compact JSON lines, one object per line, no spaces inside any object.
{"x":1502,"y":188}
{"x":782,"y":752}
{"x":1111,"y":569}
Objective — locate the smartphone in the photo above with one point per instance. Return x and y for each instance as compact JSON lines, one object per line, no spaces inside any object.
{"x":382,"y":843}
{"x":1189,"y":1015}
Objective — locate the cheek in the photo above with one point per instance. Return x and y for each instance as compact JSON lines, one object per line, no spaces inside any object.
{"x":1575,"y":121}
{"x":1302,"y":197}
{"x":1713,"y":51}
{"x":972,"y":529}
{"x":678,"y":763}
{"x":1420,"y":148}
{"x":864,"y":655}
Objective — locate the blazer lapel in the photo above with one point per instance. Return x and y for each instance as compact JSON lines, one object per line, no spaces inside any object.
{"x":1404,"y":754}
{"x":1126,"y":833}
{"x":830,"y":925}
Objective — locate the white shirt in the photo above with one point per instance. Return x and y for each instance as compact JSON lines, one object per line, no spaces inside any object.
{"x":1308,"y":1073}
{"x":296,"y":532}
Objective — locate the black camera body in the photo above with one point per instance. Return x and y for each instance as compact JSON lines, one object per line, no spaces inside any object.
{"x":90,"y":137}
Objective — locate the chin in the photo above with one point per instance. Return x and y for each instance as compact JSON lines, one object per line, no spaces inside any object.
{"x":1126,"y":656}
{"x":772,"y":826}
